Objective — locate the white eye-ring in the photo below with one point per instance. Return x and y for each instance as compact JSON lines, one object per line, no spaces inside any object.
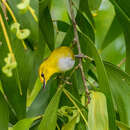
{"x":66,"y":63}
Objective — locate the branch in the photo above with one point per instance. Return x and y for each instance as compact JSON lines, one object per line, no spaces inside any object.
{"x":76,"y":40}
{"x":84,"y":56}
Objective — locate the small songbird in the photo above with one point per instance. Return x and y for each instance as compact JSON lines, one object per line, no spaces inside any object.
{"x":61,"y":59}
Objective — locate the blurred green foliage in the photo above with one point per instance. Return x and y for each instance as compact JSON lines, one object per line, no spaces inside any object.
{"x":103,"y":28}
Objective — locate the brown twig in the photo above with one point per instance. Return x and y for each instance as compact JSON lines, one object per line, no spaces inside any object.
{"x":84,"y":56}
{"x":76,"y":40}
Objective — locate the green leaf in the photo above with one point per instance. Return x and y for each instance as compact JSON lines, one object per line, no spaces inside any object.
{"x":122,"y":9}
{"x":103,"y":19}
{"x":84,"y":25}
{"x":122,"y":126}
{"x":68,"y":37}
{"x":43,"y":4}
{"x":97,"y":112}
{"x":62,"y":26}
{"x":112,"y":33}
{"x":115,"y":51}
{"x":50,"y":116}
{"x":94,"y":4}
{"x":46,"y":27}
{"x":127,"y":40}
{"x":4,"y":113}
{"x":102,"y":78}
{"x":70,"y":125}
{"x":75,"y":86}
{"x":120,"y":87}
{"x":43,"y":98}
{"x":24,"y":124}
{"x":84,"y":8}
{"x":34,"y":92}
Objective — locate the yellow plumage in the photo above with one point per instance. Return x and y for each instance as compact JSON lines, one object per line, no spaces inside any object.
{"x":60,"y":60}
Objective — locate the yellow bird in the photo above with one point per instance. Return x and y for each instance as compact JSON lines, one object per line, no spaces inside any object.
{"x":61,"y":59}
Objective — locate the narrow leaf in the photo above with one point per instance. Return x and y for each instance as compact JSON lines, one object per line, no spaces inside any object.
{"x":84,"y":8}
{"x":24,"y":124}
{"x":46,"y":27}
{"x":102,"y":78}
{"x":120,"y":87}
{"x":94,"y":4}
{"x":84,"y":25}
{"x":112,"y":33}
{"x":122,"y":8}
{"x":50,"y":116}
{"x":97,"y":115}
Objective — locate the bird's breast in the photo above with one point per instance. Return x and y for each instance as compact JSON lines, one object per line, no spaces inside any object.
{"x":66,"y":63}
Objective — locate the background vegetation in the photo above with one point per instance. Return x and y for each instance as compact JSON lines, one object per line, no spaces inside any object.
{"x":30,"y":30}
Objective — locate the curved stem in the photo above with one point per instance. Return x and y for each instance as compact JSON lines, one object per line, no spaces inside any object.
{"x":33,"y":13}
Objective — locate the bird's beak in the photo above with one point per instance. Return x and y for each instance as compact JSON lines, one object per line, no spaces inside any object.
{"x":44,"y":83}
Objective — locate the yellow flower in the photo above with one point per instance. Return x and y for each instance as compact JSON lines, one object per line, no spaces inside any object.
{"x":61,"y":60}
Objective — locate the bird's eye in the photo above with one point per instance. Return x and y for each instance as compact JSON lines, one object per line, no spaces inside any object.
{"x":42,"y":75}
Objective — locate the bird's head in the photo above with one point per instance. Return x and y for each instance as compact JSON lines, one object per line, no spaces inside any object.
{"x":45,"y":72}
{"x":60,"y":60}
